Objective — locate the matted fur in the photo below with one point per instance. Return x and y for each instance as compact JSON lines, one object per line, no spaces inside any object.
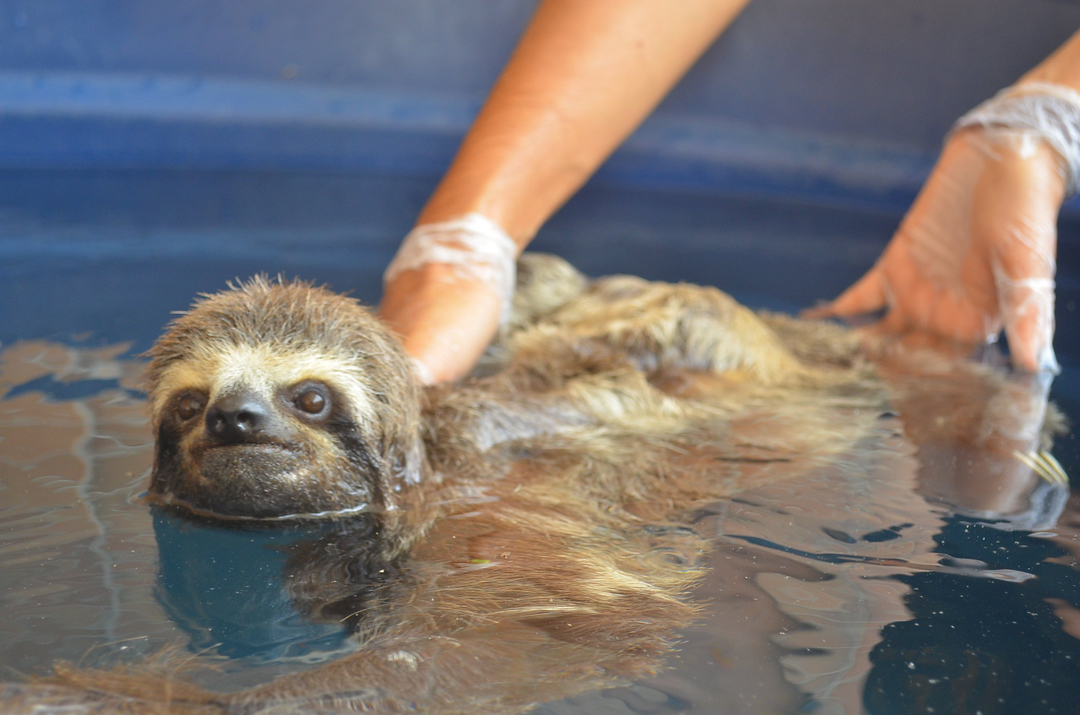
{"x":547,"y":546}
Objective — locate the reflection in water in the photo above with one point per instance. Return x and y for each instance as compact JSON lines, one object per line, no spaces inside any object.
{"x":897,"y":577}
{"x":246,"y":592}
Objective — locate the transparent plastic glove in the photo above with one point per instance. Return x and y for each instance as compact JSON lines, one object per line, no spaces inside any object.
{"x":975,"y":254}
{"x":446,"y":291}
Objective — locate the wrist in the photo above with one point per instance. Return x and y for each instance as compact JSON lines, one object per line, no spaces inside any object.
{"x":472,"y":248}
{"x":517,"y":183}
{"x":1038,"y":121}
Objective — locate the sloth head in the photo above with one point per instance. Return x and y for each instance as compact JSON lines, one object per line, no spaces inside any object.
{"x":279,"y":399}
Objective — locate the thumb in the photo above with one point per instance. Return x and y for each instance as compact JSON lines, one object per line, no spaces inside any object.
{"x":867,"y":295}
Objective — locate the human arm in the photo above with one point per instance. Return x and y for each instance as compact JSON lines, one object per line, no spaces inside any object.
{"x":976,"y":252}
{"x":583,"y":76}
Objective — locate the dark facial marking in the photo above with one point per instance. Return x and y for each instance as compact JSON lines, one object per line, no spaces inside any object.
{"x":360,"y":455}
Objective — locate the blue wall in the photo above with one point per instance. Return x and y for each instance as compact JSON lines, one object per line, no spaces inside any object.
{"x":822,"y":99}
{"x":156,"y":148}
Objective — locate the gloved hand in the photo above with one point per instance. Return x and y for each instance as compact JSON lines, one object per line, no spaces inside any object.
{"x":975,"y":254}
{"x":446,"y":291}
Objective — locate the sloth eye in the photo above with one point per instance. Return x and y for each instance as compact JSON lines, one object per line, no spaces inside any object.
{"x":189,"y":406}
{"x":311,"y":401}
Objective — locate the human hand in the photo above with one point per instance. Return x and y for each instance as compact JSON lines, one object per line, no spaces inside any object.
{"x":446,"y":291}
{"x":975,"y":253}
{"x":445,"y":320}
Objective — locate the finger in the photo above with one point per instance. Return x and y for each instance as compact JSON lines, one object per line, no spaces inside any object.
{"x":1023,"y":267}
{"x":867,"y":295}
{"x":1018,"y":223}
{"x":1028,"y":308}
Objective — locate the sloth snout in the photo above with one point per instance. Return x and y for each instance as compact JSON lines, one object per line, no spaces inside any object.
{"x":239,"y":418}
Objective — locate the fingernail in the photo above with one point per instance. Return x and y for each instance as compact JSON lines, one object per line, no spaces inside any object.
{"x":422,"y":372}
{"x":821,"y":310}
{"x":1047,"y":361}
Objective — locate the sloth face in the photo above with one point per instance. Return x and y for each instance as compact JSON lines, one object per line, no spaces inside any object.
{"x":242,"y":432}
{"x":279,"y":400}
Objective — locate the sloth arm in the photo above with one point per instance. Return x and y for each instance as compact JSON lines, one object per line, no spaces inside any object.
{"x":583,"y":76}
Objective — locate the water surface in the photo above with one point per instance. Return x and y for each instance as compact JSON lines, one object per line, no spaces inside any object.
{"x":886,"y":582}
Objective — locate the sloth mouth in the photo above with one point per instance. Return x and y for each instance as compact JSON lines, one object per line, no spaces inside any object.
{"x":171,"y":501}
{"x":250,"y":457}
{"x":256,"y":481}
{"x":257,"y":465}
{"x":261,"y":481}
{"x":253,"y":447}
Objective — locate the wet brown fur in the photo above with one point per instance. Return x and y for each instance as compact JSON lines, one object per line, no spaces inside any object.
{"x":546,"y":508}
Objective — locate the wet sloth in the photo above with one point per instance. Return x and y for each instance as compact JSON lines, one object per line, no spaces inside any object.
{"x":281,"y":400}
{"x":545,"y":506}
{"x":274,"y":400}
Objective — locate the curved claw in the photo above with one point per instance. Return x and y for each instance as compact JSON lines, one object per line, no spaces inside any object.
{"x":1045,"y":465}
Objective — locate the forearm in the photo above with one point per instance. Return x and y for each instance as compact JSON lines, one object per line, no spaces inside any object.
{"x":584,"y":75}
{"x":1062,"y":67}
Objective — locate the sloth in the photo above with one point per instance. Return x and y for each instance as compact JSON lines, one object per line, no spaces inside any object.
{"x":280,"y":400}
{"x":535,"y":526}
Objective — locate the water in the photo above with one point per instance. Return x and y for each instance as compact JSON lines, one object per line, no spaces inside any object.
{"x":884,"y":582}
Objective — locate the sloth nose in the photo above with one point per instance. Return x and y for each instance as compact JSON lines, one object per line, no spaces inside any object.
{"x":238,"y":417}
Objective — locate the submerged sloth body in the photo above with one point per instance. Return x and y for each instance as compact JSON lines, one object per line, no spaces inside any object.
{"x":538,"y":517}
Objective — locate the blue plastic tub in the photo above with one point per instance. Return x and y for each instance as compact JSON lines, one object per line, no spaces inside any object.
{"x":151,"y":151}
